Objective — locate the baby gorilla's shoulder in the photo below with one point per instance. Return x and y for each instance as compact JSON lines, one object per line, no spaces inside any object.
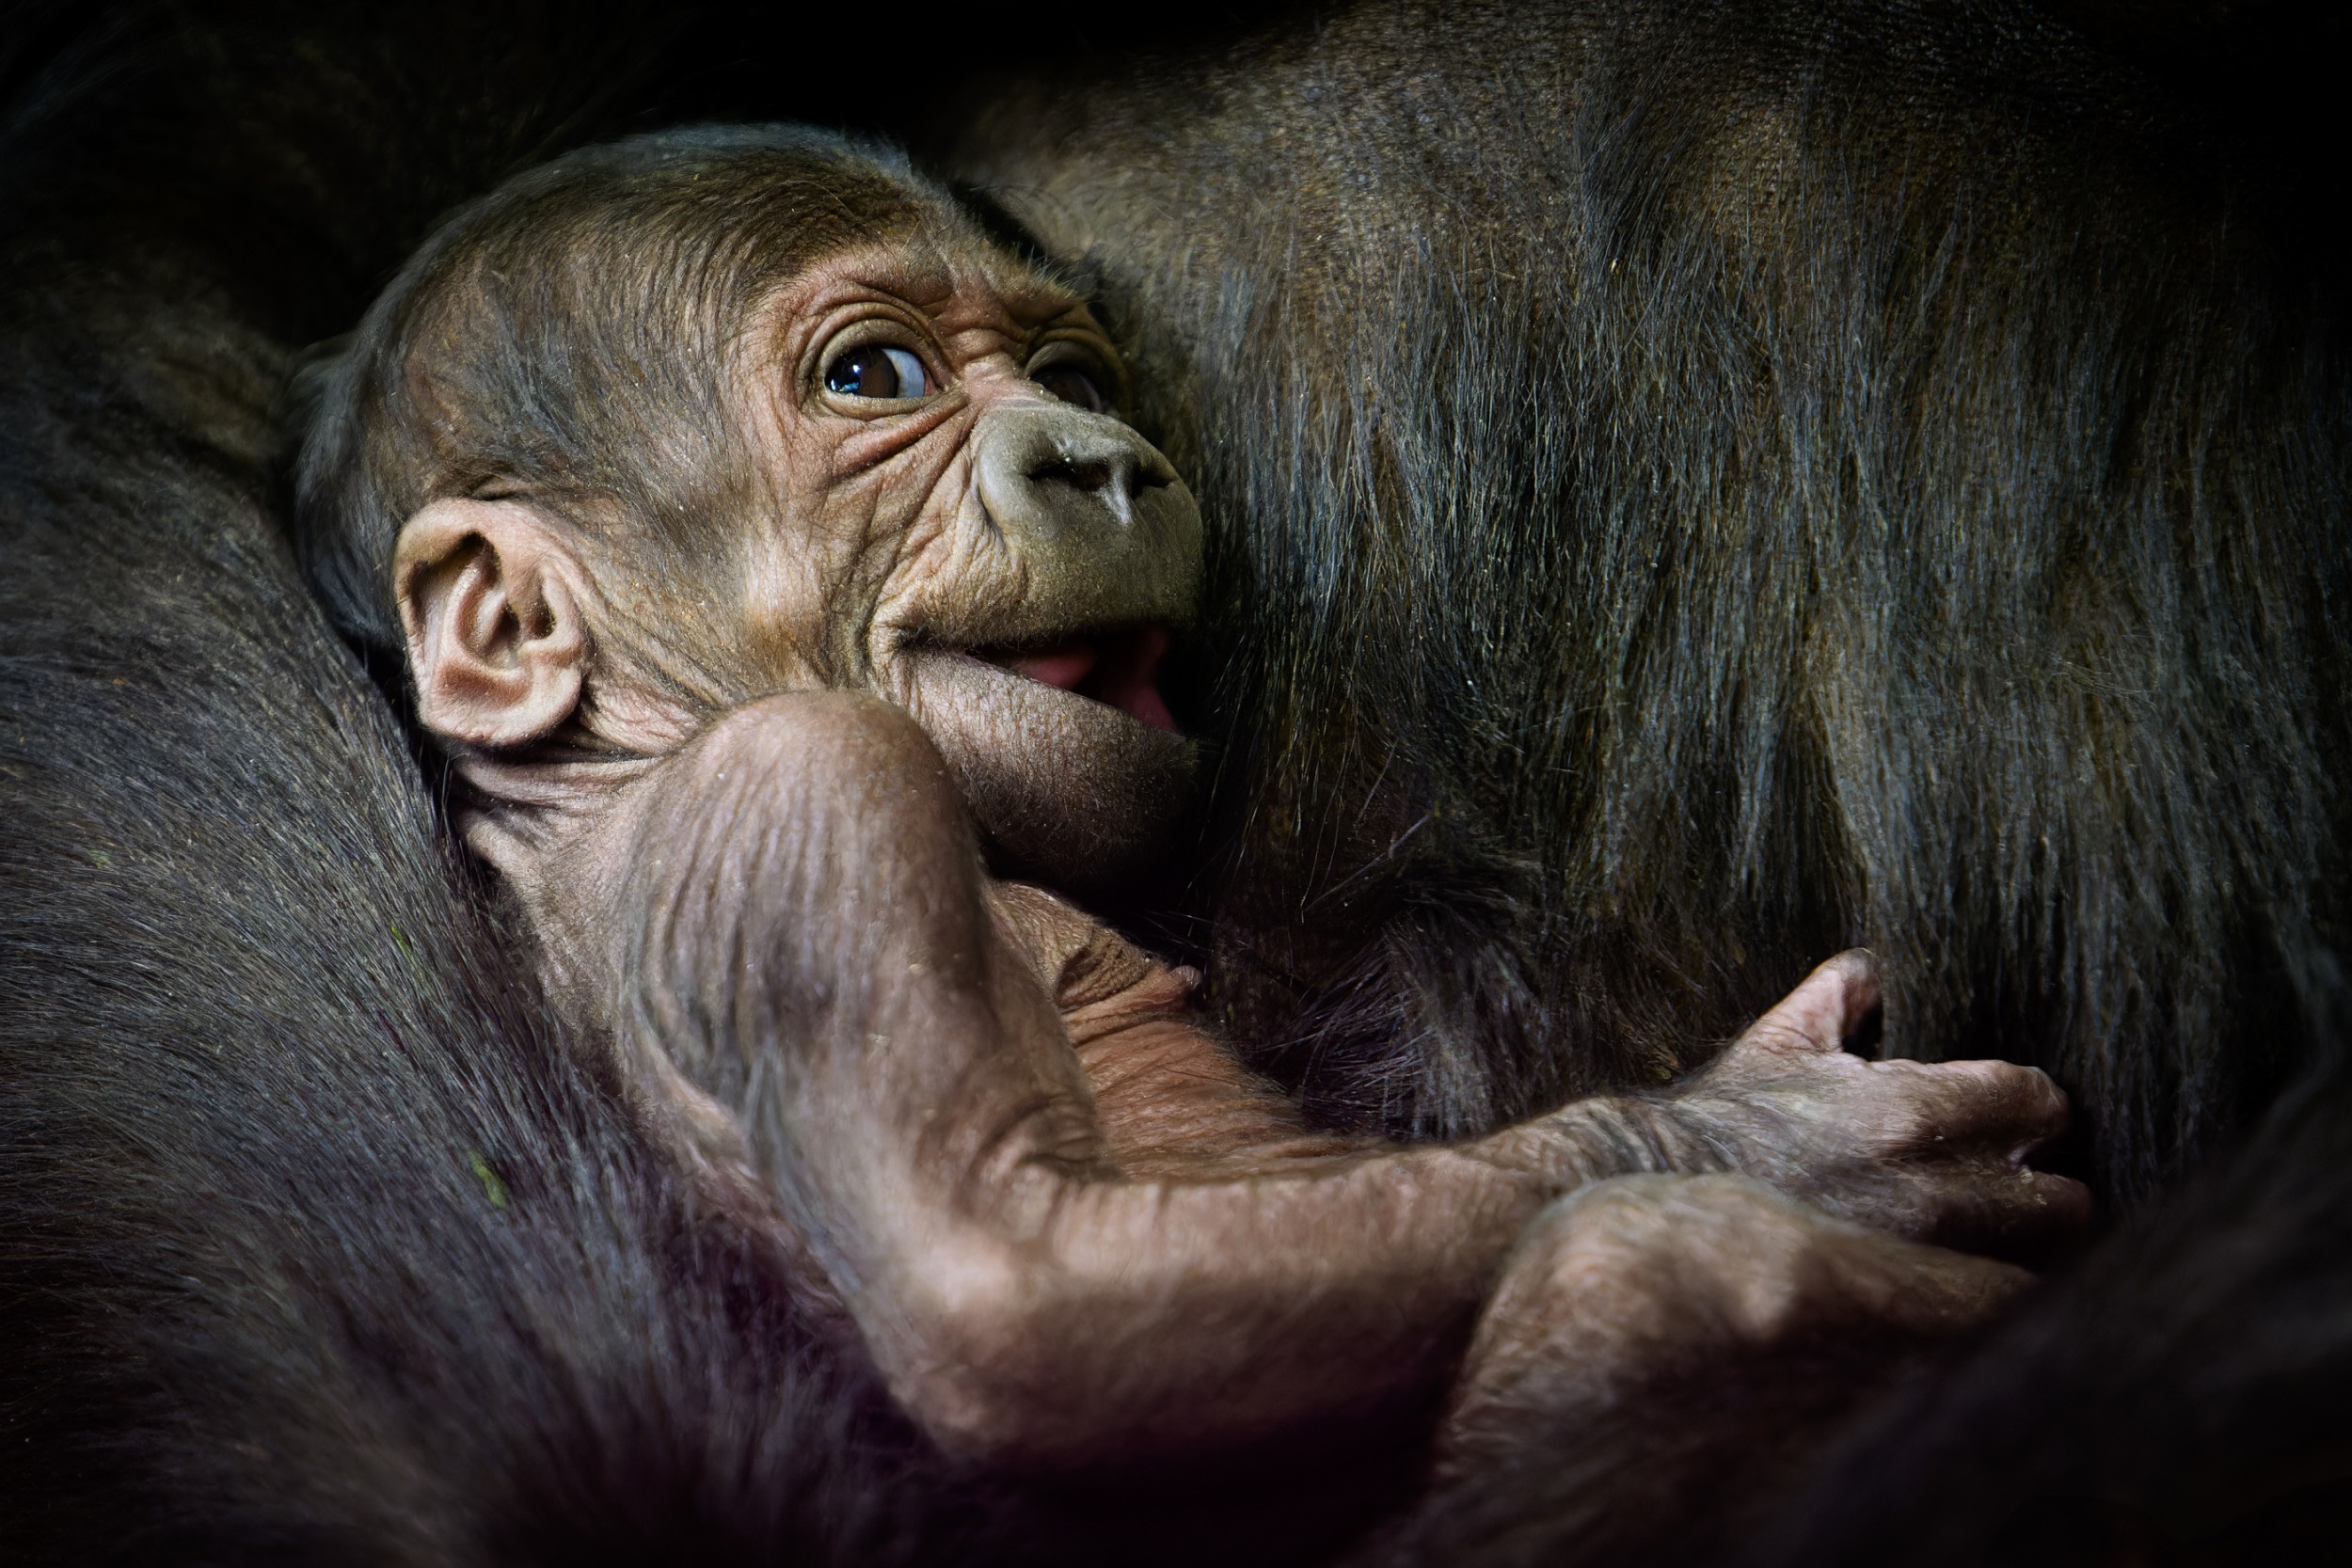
{"x":819,"y":764}
{"x":818,"y":728}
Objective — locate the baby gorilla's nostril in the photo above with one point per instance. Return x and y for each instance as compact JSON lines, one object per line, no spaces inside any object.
{"x":1094,"y":473}
{"x":1112,"y":476}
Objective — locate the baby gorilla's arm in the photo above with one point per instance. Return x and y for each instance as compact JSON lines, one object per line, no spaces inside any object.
{"x":1928,"y":1150}
{"x":815,"y":948}
{"x":805,"y":931}
{"x":1171,"y":1101}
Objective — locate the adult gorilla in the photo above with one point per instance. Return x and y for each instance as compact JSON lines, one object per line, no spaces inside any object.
{"x":1704,"y":485}
{"x":1697,"y":486}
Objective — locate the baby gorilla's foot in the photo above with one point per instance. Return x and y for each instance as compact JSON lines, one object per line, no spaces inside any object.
{"x":1631,"y":1279}
{"x":1660,"y":1339}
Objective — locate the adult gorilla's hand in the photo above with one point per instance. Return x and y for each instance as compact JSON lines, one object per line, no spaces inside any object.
{"x":1932,"y":1150}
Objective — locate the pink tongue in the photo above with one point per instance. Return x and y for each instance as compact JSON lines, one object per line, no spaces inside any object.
{"x":1146,"y":705}
{"x":1065,"y":666}
{"x":1128,"y":682}
{"x":1135,"y":690}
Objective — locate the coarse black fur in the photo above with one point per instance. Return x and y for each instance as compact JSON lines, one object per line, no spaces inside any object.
{"x":1699,"y":485}
{"x":1567,"y":387}
{"x":1696,"y":486}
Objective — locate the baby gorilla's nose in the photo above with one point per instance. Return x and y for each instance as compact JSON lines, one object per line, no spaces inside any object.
{"x":1050,"y":472}
{"x":1109,"y":475}
{"x":1112,"y":470}
{"x":1088,"y":529}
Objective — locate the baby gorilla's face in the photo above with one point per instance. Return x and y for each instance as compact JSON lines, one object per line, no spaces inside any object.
{"x":962,"y":525}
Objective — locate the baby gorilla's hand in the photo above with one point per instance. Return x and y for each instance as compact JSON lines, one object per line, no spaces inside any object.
{"x":1076,"y":957}
{"x":1174,"y":1104}
{"x":1932,"y":1150}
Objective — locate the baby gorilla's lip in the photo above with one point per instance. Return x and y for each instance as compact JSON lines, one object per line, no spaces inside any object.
{"x":1121,"y":667}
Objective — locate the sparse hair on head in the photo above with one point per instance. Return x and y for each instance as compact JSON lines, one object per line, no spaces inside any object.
{"x":559,"y":337}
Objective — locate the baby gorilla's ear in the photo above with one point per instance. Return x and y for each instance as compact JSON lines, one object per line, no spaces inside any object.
{"x":489,"y":595}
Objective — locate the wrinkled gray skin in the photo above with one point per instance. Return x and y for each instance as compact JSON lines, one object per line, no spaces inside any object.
{"x":962,"y":555}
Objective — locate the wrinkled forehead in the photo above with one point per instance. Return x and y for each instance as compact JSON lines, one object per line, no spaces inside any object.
{"x":932,"y":261}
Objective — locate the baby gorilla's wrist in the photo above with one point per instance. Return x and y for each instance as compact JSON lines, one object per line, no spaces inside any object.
{"x":1608,"y":1136}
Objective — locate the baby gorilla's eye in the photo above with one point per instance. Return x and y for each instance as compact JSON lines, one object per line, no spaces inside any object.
{"x":1072,"y":382}
{"x":878,"y":370}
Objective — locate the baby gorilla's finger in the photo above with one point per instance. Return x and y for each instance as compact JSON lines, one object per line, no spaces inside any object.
{"x":1828,"y":1006}
{"x":1989,"y":1104}
{"x":1981,"y":1204}
{"x":2009,"y":1213}
{"x":1078,"y":959}
{"x":1938,"y":1290}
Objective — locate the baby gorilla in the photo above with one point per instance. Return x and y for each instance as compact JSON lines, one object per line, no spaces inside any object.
{"x":756,"y":528}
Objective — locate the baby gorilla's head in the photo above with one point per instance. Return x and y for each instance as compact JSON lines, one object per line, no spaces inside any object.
{"x":675,"y":423}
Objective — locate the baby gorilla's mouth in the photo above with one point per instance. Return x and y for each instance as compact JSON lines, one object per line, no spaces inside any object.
{"x":1118,"y":668}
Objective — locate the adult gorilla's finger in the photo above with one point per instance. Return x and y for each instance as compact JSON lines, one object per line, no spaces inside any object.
{"x":1827,"y":1007}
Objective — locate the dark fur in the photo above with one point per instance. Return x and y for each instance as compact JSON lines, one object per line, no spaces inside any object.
{"x":1705,"y":486}
{"x":1604,"y":416}
{"x":1547,"y":431}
